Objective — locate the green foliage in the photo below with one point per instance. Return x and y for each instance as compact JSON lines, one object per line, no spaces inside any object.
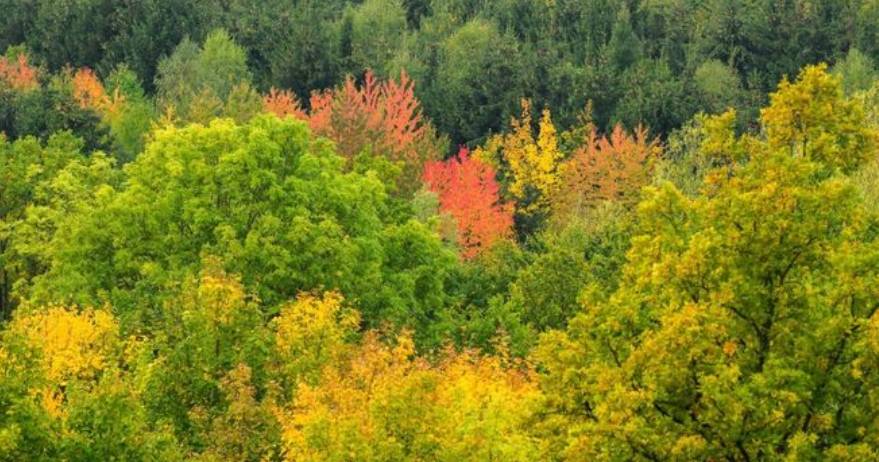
{"x":624,"y":48}
{"x":256,"y":197}
{"x":377,"y":28}
{"x":813,"y":118}
{"x":224,"y":284}
{"x":719,"y":86}
{"x":653,"y":96}
{"x":48,"y":109}
{"x":129,"y":127}
{"x":25,"y":164}
{"x":479,"y":82}
{"x":197,"y":84}
{"x":857,"y":72}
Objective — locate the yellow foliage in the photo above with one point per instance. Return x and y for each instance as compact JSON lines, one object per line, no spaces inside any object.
{"x":720,"y":138}
{"x":72,"y":344}
{"x":311,"y":331}
{"x":533,"y":163}
{"x":385,"y":404}
{"x":221,"y":295}
{"x":812,"y":117}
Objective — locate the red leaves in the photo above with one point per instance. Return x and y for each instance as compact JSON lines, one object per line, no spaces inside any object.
{"x":468,"y":191}
{"x":18,"y":74}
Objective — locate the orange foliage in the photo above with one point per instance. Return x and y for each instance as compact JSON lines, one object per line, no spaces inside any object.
{"x":18,"y":74}
{"x":283,"y":103}
{"x":383,"y":118}
{"x":468,"y":191}
{"x":610,"y":168}
{"x":88,"y":90}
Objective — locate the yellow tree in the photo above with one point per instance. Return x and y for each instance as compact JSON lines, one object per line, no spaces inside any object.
{"x":533,"y":162}
{"x":744,"y":324}
{"x":814,"y":119}
{"x":384,"y":403}
{"x":310,"y":333}
{"x":68,"y":392}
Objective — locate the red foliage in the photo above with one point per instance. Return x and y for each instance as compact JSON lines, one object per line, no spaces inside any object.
{"x":18,"y":74}
{"x":468,"y":191}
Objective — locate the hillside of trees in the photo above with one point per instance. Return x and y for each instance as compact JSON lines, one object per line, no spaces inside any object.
{"x":439,"y":230}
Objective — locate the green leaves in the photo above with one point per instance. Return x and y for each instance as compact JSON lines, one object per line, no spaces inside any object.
{"x":266,"y":199}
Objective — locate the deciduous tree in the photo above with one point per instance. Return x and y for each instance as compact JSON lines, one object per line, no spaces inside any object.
{"x":468,"y":191}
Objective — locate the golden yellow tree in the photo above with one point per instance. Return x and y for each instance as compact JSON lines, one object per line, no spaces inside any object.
{"x":384,"y":403}
{"x":311,"y":332}
{"x":533,"y":162}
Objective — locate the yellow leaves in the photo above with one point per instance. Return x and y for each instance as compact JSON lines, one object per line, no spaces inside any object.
{"x":221,"y":295}
{"x":383,"y":402}
{"x":52,"y":401}
{"x":541,"y":177}
{"x":813,"y":118}
{"x":71,"y":344}
{"x":533,"y":163}
{"x":313,"y":331}
{"x":688,"y":445}
{"x":720,"y":137}
{"x":310,"y":315}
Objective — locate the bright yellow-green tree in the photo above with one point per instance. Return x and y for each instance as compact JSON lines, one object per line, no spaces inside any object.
{"x":744,"y":326}
{"x":813,"y":118}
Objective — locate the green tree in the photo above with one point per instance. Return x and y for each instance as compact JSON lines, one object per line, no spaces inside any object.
{"x":652,"y":95}
{"x":478,"y":82}
{"x":196,"y":84}
{"x":719,"y":86}
{"x":24,"y":165}
{"x":857,"y":72}
{"x":268,"y":200}
{"x":377,"y":30}
{"x":624,"y":48}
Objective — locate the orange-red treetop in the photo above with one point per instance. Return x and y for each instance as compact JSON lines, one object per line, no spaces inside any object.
{"x":468,"y":191}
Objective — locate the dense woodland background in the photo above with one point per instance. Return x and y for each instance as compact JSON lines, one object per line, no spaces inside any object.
{"x":439,"y":230}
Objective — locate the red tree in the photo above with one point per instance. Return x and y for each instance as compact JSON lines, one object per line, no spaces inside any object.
{"x":468,"y":191}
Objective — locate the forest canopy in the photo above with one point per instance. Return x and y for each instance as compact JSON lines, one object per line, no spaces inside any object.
{"x":451,"y":230}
